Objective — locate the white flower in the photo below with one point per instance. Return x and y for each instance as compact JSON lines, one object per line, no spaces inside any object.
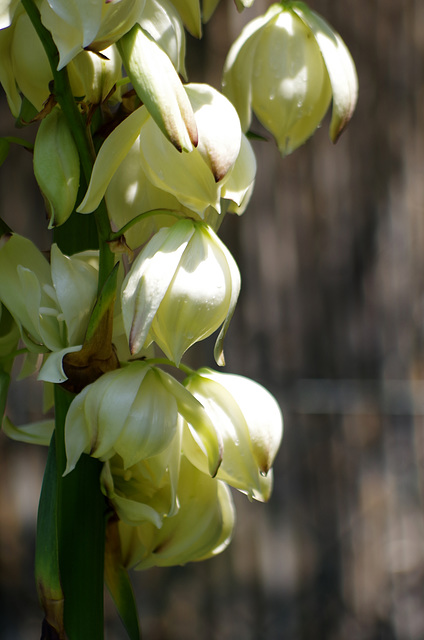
{"x":250,"y":423}
{"x":197,"y":179}
{"x":51,"y":304}
{"x":182,"y":286}
{"x":80,"y":24}
{"x":201,"y":528}
{"x":286,"y":66}
{"x":133,"y":412}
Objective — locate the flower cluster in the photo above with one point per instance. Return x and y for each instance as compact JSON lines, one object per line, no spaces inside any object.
{"x":160,"y":162}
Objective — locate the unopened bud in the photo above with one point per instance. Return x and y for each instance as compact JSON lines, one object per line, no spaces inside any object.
{"x":56,"y":167}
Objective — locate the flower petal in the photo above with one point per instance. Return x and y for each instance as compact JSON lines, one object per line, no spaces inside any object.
{"x":340,"y":68}
{"x":149,"y":278}
{"x":111,"y":154}
{"x":157,"y":84}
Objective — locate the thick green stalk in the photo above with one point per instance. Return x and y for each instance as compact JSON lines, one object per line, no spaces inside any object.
{"x":81,"y":507}
{"x":81,"y":532}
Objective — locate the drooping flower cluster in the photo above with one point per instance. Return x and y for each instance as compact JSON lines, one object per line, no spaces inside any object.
{"x":171,"y":162}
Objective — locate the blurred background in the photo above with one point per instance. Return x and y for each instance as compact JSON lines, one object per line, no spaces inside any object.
{"x":330,"y":319}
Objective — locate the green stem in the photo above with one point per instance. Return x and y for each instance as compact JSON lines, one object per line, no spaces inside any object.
{"x":81,"y":532}
{"x":20,"y":141}
{"x":81,"y":507}
{"x":182,"y":367}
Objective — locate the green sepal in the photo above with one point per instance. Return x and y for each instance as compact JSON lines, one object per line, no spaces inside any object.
{"x":118,"y":582}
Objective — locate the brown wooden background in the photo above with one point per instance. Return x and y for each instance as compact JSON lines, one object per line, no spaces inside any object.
{"x":330,"y":319}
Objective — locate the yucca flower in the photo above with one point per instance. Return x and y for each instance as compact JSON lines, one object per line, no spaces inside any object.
{"x":24,"y":68}
{"x":50,"y":303}
{"x":250,"y":423}
{"x":222,"y":165}
{"x":81,"y":25}
{"x":286,"y":66}
{"x":201,"y":528}
{"x":182,"y":286}
{"x":133,"y":412}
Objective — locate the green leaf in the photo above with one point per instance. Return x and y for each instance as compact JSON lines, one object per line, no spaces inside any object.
{"x":118,"y":582}
{"x":81,"y":531}
{"x":47,"y":572}
{"x":103,"y":304}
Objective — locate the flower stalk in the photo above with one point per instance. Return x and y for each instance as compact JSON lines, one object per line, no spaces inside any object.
{"x":78,"y":513}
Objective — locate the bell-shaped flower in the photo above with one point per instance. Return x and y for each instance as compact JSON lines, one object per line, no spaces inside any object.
{"x":133,"y":412}
{"x":51,"y":303}
{"x":80,"y":24}
{"x":24,"y":65}
{"x":182,"y":286}
{"x":131,"y":193}
{"x":250,"y":423}
{"x":57,"y":167}
{"x":286,"y":66}
{"x":201,"y":528}
{"x":25,"y":68}
{"x":197,"y":179}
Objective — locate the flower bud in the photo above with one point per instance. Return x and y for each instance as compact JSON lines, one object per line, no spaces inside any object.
{"x":158,"y":85}
{"x":30,"y":64}
{"x":132,"y":412}
{"x":200,"y":529}
{"x":182,"y":286}
{"x":56,"y":167}
{"x":286,"y":66}
{"x":249,"y":421}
